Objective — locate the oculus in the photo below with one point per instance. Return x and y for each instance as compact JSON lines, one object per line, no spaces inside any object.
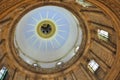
{"x":46,"y":29}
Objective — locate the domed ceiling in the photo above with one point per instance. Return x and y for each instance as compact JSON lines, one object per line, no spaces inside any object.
{"x":48,"y":35}
{"x":59,"y":40}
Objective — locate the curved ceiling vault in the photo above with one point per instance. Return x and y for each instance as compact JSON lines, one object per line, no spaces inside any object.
{"x":60,"y":39}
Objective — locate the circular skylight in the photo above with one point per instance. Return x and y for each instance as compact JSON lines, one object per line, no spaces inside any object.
{"x":47,"y":36}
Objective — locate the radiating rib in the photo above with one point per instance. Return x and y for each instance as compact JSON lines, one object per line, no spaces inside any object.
{"x":31,"y":36}
{"x":46,"y":45}
{"x":52,"y":44}
{"x":31,"y":25}
{"x":58,"y":20}
{"x":36,"y":40}
{"x":61,"y":36}
{"x":53,"y":16}
{"x":61,"y":25}
{"x":40,"y":16}
{"x":31,"y":30}
{"x":61,"y":31}
{"x":35,"y":19}
{"x":47,"y":15}
{"x":57,"y":42}
{"x":40,"y":43}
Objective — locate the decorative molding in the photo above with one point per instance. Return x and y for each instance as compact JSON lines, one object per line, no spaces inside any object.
{"x":114,"y":5}
{"x":8,"y":4}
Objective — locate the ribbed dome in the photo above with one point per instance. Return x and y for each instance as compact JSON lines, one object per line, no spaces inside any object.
{"x":36,"y":46}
